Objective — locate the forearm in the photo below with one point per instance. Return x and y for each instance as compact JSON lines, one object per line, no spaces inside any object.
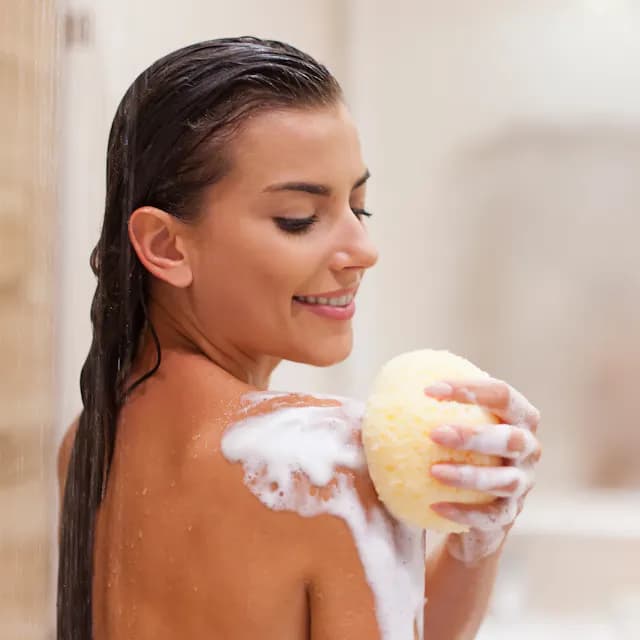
{"x":457,"y":595}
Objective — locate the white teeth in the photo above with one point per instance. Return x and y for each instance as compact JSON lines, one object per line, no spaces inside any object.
{"x":341,"y":301}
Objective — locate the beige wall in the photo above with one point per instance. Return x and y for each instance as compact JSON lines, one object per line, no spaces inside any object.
{"x":27,"y":219}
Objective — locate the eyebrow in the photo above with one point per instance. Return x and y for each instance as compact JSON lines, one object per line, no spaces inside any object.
{"x":314,"y":188}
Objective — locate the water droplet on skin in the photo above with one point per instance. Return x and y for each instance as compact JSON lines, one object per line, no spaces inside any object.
{"x":145,"y":491}
{"x":196,"y":437}
{"x":189,"y":528}
{"x":195,"y":589}
{"x":139,"y":534}
{"x":172,"y":484}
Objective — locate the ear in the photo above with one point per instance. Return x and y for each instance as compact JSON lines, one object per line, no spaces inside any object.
{"x":157,"y":240}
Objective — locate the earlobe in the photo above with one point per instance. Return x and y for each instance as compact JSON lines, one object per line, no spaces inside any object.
{"x":159,"y":245}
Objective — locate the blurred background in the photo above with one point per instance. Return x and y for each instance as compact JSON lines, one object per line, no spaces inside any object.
{"x":504,"y":142}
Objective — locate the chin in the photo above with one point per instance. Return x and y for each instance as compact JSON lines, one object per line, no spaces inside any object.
{"x":326,"y":353}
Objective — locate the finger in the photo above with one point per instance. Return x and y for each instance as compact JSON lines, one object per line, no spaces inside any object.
{"x":499,"y":513}
{"x":504,"y":440}
{"x":502,"y":482}
{"x":495,"y":395}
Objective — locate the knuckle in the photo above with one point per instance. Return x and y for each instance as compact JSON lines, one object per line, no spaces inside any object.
{"x":517,"y":440}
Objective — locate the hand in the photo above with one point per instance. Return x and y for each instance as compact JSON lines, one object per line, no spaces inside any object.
{"x":513,"y":440}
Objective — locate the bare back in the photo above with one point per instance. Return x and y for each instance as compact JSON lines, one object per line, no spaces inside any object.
{"x":183,"y":549}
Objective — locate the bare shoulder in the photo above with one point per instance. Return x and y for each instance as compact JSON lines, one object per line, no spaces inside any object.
{"x":290,"y":462}
{"x":278,"y":449}
{"x":302,"y":455}
{"x":291,"y":444}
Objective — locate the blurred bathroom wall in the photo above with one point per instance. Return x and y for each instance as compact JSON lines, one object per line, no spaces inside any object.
{"x":507,"y":135}
{"x":504,"y":142}
{"x":506,"y":138}
{"x":27,"y":301}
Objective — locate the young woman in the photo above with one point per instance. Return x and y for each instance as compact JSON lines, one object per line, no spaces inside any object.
{"x":234,"y":237}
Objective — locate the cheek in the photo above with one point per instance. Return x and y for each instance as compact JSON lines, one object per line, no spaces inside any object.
{"x":257,"y":266}
{"x":283,"y":267}
{"x":238,"y":279}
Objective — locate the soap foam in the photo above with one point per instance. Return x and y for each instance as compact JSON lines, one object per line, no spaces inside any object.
{"x":277,"y":447}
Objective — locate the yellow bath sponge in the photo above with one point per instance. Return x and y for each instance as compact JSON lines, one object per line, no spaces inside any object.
{"x":399,"y":453}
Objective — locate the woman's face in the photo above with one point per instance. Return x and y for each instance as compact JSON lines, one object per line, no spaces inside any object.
{"x":281,"y":247}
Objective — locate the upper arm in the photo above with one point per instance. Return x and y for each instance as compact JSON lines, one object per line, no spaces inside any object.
{"x":341,"y":601}
{"x":368,"y":572}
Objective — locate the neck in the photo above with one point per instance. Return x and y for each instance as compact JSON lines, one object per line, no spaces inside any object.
{"x":176,"y":335}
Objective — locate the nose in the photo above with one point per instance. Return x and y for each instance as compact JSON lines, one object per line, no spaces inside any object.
{"x":356,"y":249}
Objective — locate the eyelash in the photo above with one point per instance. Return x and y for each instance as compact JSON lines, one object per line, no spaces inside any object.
{"x":302,"y":225}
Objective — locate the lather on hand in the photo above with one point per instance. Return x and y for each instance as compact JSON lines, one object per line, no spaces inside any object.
{"x":513,"y":440}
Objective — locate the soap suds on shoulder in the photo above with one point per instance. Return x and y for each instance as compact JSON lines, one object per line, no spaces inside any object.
{"x":282,"y":437}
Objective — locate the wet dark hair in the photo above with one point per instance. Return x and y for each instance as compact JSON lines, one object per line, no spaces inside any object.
{"x":168,"y":141}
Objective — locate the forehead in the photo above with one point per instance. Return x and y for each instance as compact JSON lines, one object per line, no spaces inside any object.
{"x":292,"y":143}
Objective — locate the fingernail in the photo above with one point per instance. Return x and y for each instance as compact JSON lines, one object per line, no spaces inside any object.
{"x":446,"y":436}
{"x":439,"y":390}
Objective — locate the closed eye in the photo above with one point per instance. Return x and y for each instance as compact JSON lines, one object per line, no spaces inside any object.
{"x":296,"y":225}
{"x":361,"y":213}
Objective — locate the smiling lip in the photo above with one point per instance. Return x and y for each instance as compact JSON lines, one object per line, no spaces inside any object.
{"x":329,"y":311}
{"x":331,"y":294}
